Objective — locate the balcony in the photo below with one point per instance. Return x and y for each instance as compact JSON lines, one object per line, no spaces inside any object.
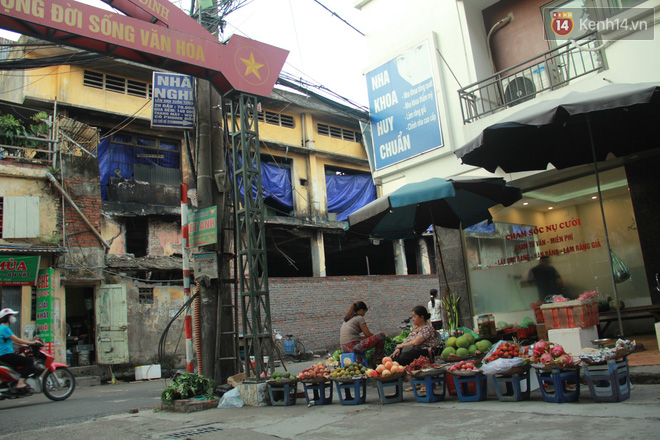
{"x":548,"y":71}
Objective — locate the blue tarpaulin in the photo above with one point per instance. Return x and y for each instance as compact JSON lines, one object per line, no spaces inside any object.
{"x":276,"y":183}
{"x":348,"y":193}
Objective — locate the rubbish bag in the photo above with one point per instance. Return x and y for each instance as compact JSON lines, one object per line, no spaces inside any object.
{"x":619,"y":269}
{"x":231,"y":399}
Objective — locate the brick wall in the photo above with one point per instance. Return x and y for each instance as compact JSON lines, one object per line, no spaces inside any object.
{"x":82,"y":183}
{"x":313,"y":308}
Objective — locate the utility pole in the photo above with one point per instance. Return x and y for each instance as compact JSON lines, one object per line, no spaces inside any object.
{"x":219,"y":351}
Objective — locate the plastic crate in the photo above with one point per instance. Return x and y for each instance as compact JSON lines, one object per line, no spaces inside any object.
{"x":451,"y":387}
{"x":538,"y":314}
{"x":523,"y":333}
{"x":570,"y":314}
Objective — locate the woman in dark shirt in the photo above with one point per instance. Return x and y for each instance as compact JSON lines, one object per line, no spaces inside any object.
{"x":354,"y":335}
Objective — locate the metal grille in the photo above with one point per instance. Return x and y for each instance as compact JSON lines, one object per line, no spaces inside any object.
{"x":338,"y":132}
{"x":194,"y":431}
{"x":116,"y":84}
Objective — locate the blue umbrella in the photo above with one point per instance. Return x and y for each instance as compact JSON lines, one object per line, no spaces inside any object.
{"x":411,"y":209}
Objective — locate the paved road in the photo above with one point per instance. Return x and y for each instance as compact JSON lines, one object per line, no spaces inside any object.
{"x":80,"y":418}
{"x":86,"y":403}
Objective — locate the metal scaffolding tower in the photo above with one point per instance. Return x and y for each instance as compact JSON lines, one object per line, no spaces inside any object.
{"x":251,"y":269}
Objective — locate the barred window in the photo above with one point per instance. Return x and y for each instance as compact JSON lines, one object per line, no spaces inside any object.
{"x":339,"y":133}
{"x":116,"y":84}
{"x":145,"y":295}
{"x":276,"y":119}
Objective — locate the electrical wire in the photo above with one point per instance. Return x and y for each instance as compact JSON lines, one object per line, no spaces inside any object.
{"x":170,"y":370}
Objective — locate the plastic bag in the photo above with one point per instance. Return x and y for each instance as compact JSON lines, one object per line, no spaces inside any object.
{"x":501,"y":366}
{"x":231,"y":399}
{"x":619,"y":269}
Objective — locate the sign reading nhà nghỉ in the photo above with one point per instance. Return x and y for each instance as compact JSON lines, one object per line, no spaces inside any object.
{"x":202,"y":229}
{"x":173,"y":103}
{"x":19,"y":270}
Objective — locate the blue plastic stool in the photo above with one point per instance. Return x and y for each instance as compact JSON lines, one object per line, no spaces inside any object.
{"x":560,"y":385}
{"x":283,"y":395}
{"x":480,"y":382}
{"x":432,"y":384}
{"x":512,"y":391}
{"x":609,"y":382}
{"x":360,"y":358}
{"x":352,"y":393}
{"x":318,"y":392}
{"x":384,"y":387}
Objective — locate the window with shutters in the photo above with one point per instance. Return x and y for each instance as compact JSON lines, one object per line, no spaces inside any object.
{"x":338,"y":133}
{"x":20,"y":217}
{"x":276,"y":119}
{"x":116,"y":84}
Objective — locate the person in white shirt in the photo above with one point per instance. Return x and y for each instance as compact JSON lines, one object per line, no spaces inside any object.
{"x":435,"y":309}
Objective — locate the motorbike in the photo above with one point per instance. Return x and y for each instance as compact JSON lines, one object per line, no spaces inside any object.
{"x":52,"y":378}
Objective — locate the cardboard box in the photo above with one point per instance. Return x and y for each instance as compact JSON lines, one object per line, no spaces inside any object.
{"x":542,"y":332}
{"x":147,"y":372}
{"x":573,"y":339}
{"x":570,"y":314}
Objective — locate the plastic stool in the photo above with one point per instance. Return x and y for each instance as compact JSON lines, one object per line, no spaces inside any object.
{"x":512,"y":387}
{"x":480,"y":383}
{"x":609,"y":382}
{"x":318,"y":392}
{"x":283,"y":395}
{"x":432,"y":383}
{"x":392,"y":398}
{"x":560,"y":385}
{"x":352,"y":393}
{"x":360,"y":358}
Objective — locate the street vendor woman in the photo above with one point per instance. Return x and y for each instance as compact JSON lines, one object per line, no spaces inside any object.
{"x":422,"y":337}
{"x":354,"y":335}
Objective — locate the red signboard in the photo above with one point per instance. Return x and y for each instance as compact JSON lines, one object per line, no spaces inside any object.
{"x":243,"y":64}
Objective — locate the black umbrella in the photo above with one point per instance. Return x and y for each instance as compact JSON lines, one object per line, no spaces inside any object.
{"x":577,"y":129}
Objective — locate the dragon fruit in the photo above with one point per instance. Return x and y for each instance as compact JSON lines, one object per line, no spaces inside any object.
{"x":541,"y":347}
{"x":546,"y":358}
{"x":565,"y":360}
{"x":557,"y":350}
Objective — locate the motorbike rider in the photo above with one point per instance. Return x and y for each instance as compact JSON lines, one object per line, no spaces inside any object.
{"x":7,"y":355}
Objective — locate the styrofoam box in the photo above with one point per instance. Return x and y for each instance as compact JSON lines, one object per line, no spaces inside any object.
{"x":145,"y":372}
{"x":573,"y":339}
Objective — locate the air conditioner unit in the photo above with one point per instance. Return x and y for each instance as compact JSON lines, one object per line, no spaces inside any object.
{"x":526,"y":85}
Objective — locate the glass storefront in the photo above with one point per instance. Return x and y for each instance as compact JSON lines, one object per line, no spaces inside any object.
{"x":563,"y":222}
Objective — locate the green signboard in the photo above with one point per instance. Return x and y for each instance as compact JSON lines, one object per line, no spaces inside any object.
{"x":45,"y":304}
{"x":202,"y":229}
{"x":18,"y":270}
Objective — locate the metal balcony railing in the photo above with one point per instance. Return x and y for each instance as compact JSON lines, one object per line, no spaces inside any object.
{"x":548,"y":71}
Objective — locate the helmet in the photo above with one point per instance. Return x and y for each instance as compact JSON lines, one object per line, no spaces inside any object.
{"x":5,"y":312}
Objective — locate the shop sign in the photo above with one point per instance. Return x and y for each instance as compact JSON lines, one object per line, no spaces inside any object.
{"x":202,"y":229}
{"x":18,"y":270}
{"x":173,"y":101}
{"x":44,"y":319}
{"x":405,"y":121}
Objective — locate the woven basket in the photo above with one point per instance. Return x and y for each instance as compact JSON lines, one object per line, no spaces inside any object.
{"x":347,"y":379}
{"x":553,"y":366}
{"x":315,"y":380}
{"x":464,"y":373}
{"x":391,"y":378}
{"x":427,"y":372}
{"x":281,"y":382}
{"x":619,"y":354}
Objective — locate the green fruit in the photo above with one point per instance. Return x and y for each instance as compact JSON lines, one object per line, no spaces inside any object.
{"x":483,"y":345}
{"x":463,"y":342}
{"x":276,"y":374}
{"x":462,"y":352}
{"x":451,"y":342}
{"x":286,"y":374}
{"x":470,"y":337}
{"x":472,"y":349}
{"x":448,"y":352}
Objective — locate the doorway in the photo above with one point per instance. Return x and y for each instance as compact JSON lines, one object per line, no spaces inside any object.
{"x":80,"y":326}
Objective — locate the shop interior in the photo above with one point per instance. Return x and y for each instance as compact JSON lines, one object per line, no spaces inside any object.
{"x":80,"y":326}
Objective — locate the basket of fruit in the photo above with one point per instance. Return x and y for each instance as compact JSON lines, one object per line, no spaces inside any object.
{"x":350,"y":373}
{"x":503,"y":350}
{"x":281,"y":379}
{"x":387,"y":371}
{"x":315,"y":374}
{"x":464,"y":347}
{"x":423,"y":367}
{"x":598,"y":356}
{"x":547,"y":356}
{"x":464,"y":368}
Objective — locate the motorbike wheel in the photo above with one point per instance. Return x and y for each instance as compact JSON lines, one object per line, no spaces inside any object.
{"x":59,"y":384}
